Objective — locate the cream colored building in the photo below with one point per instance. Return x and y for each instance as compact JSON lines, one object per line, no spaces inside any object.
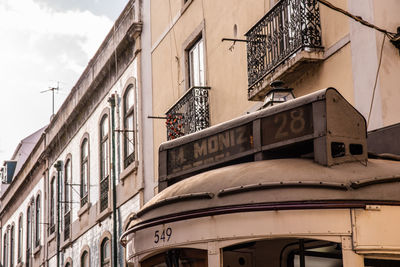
{"x":290,"y":185}
{"x":337,"y":52}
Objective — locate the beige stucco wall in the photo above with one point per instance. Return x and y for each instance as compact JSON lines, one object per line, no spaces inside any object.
{"x":387,"y":17}
{"x":226,"y":70}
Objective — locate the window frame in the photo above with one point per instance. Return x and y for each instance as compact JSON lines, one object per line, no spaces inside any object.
{"x":85,"y":251}
{"x":29,"y":236}
{"x":12,"y":245}
{"x":104,"y":159}
{"x":52,"y":204}
{"x":20,"y":237}
{"x":197,"y":35}
{"x":105,"y":262}
{"x":84,"y":163}
{"x":38,"y":209}
{"x":67,"y":184}
{"x":128,"y":159}
{"x":5,"y":248}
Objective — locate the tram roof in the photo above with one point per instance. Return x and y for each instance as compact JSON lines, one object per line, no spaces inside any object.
{"x":277,"y":184}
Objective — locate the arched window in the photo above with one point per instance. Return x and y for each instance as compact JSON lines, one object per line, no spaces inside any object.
{"x":84,"y":171}
{"x":52,"y":205}
{"x":67,"y":197}
{"x":20,"y":234}
{"x":129,"y":134}
{"x":5,"y":250}
{"x":12,"y":245}
{"x":28,"y":236}
{"x":105,"y":256}
{"x":85,"y":259}
{"x":104,"y":161}
{"x":67,"y":185}
{"x":37,"y":221}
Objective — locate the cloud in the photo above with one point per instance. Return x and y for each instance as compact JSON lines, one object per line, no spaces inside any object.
{"x":40,"y":46}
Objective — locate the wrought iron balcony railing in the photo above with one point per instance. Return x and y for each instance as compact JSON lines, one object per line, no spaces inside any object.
{"x":290,"y":26}
{"x":189,"y":114}
{"x":104,"y":194}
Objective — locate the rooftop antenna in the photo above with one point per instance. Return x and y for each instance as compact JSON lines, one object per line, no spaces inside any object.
{"x":52,"y":89}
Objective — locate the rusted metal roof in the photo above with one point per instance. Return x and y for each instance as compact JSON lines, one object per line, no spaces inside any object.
{"x":279,"y":181}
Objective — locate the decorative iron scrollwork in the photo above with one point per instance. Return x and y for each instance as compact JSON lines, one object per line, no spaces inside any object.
{"x":289,"y":26}
{"x":190,"y":114}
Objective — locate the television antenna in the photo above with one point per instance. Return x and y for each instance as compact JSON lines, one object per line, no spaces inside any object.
{"x":52,"y":89}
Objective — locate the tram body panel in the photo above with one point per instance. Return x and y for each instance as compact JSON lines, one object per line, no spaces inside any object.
{"x":377,"y":230}
{"x":254,"y":225}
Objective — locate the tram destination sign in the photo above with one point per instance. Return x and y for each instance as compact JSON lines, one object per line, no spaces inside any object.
{"x":287,"y":125}
{"x":210,"y":150}
{"x":336,"y":129}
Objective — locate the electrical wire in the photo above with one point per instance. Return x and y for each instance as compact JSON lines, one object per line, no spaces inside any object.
{"x":376,"y":80}
{"x":392,"y":36}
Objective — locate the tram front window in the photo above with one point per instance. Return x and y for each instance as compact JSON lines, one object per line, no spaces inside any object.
{"x":178,"y":258}
{"x":284,"y":253}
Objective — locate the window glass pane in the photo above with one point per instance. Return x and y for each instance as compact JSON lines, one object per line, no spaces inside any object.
{"x":104,"y":159}
{"x":84,"y":149}
{"x":201,"y":63}
{"x":84,"y":181}
{"x":67,"y":184}
{"x":104,"y":127}
{"x":196,"y":64}
{"x":129,"y":136}
{"x":129,"y":99}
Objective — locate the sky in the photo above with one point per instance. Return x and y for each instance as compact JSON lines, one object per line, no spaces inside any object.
{"x":44,"y":44}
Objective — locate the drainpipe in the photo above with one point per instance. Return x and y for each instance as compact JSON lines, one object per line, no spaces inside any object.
{"x":58,"y":168}
{"x":111,"y":100}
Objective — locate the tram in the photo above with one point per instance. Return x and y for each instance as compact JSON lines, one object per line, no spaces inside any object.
{"x":287,"y":186}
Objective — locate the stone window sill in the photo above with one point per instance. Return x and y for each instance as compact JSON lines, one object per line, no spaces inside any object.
{"x":132,"y":168}
{"x":51,"y":237}
{"x":37,"y":250}
{"x":83,"y":209}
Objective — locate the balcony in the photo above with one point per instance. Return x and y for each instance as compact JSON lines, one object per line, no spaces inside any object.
{"x":282,"y":44}
{"x":189,"y":114}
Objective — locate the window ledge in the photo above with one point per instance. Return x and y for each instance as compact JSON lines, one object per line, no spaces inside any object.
{"x":103,"y":214}
{"x":51,"y":237}
{"x":83,"y":209}
{"x":65,"y":243}
{"x":37,"y":249}
{"x":128,"y":170}
{"x":185,"y":6}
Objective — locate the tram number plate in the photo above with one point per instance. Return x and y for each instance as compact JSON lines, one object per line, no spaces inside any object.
{"x":162,"y":236}
{"x":287,"y":125}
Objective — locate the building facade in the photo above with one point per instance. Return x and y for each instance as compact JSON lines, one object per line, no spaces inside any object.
{"x":168,"y":69}
{"x":86,"y":174}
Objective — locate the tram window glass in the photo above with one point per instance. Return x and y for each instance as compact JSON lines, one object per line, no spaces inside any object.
{"x":381,"y":263}
{"x":283,"y":253}
{"x":178,"y":258}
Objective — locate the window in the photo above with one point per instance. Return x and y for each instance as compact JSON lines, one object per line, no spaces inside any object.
{"x":12,"y":246}
{"x":196,"y":64}
{"x":52,"y":205}
{"x":28,"y":236}
{"x":105,"y":253}
{"x":67,"y":185}
{"x":104,"y":162}
{"x":129,"y":135}
{"x":85,"y":259}
{"x":5,"y":250}
{"x":20,"y":234}
{"x":84,"y":171}
{"x":67,"y":197}
{"x":37,"y":221}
